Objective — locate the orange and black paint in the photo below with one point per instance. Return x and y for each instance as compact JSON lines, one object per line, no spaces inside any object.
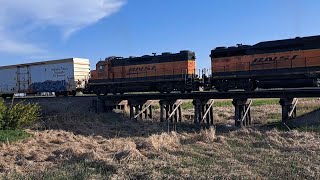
{"x":274,"y":64}
{"x":166,"y":72}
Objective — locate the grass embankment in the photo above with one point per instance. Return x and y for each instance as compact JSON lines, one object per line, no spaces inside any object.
{"x":109,"y":146}
{"x":242,"y":154}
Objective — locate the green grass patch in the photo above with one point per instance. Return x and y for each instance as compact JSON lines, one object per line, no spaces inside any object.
{"x":13,"y":135}
{"x":187,"y":105}
{"x":262,"y":102}
{"x":225,"y":103}
{"x":228,"y":103}
{"x":256,"y":102}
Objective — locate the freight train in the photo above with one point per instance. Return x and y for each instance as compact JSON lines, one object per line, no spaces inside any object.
{"x":288,"y":63}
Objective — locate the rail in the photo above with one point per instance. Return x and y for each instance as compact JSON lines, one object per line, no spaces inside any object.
{"x":280,"y":93}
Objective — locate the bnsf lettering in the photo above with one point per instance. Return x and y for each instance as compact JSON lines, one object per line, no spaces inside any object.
{"x":147,"y":68}
{"x":137,"y":70}
{"x":265,"y":60}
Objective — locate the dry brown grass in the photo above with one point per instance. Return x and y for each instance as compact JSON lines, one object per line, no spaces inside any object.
{"x":246,"y":153}
{"x":109,"y":146}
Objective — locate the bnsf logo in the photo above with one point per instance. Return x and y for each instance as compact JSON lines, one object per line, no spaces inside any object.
{"x":266,"y":60}
{"x":136,"y":70}
{"x":146,"y":68}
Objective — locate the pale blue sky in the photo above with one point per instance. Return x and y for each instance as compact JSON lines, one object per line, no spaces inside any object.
{"x":43,"y":30}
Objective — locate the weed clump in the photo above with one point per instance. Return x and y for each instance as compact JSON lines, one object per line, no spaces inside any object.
{"x":207,"y":135}
{"x":17,"y":115}
{"x":164,"y":141}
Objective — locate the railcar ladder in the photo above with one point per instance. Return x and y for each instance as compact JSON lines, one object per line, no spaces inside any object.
{"x":23,"y":79}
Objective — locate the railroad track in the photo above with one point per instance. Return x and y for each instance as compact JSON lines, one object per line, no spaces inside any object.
{"x":51,"y":97}
{"x":287,"y":93}
{"x":274,"y":93}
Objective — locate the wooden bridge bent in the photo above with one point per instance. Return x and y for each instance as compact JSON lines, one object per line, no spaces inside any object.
{"x":140,"y":105}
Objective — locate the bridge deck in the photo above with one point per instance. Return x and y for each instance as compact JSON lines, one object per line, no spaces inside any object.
{"x":288,"y":93}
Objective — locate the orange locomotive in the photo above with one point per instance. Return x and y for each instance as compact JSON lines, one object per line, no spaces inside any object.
{"x":164,"y":73}
{"x":286,"y":63}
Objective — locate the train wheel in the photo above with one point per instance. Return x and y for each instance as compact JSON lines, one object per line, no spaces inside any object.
{"x":183,"y":90}
{"x":74,"y":93}
{"x":317,"y":82}
{"x":164,"y":90}
{"x":251,"y":86}
{"x":98,"y":93}
{"x":222,"y":88}
{"x":113,"y":91}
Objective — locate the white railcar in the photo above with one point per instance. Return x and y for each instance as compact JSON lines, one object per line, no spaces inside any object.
{"x":65,"y":76}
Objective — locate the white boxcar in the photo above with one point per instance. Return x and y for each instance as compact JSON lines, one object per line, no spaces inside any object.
{"x":65,"y":76}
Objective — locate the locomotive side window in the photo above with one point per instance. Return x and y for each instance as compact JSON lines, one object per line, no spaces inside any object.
{"x":101,"y":68}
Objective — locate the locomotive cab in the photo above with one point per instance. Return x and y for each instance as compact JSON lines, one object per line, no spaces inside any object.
{"x":102,"y":70}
